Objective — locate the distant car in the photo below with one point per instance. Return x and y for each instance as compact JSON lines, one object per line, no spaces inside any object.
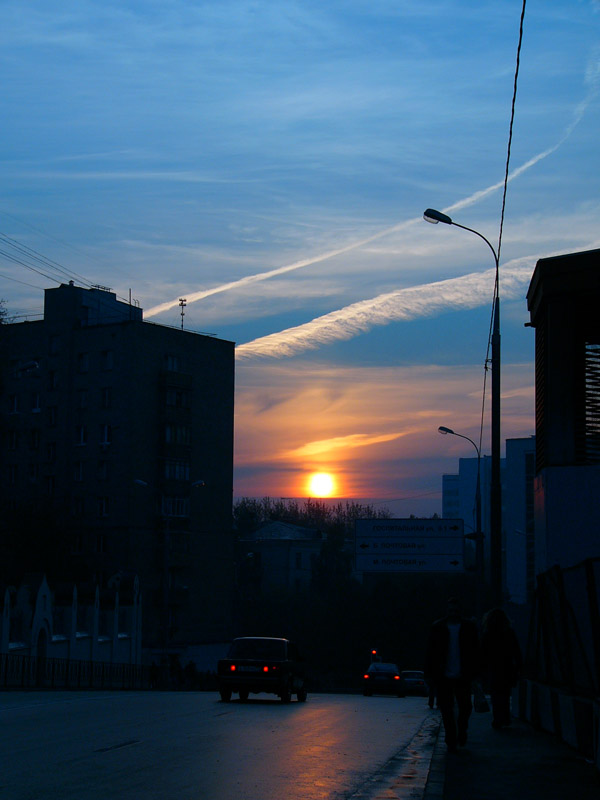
{"x":412,"y":681}
{"x":257,"y":664}
{"x":381,"y":678}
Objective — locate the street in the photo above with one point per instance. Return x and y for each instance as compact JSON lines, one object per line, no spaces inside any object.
{"x":192,"y":746}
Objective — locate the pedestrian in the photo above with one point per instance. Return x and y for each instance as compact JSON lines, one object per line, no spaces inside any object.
{"x":502,"y":662}
{"x":451,"y":664}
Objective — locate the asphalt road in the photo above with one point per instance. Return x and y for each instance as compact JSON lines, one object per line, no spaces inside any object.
{"x":191,"y":746}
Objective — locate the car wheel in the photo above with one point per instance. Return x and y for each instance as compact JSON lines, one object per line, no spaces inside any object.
{"x":302,"y":695}
{"x":225,"y":695}
{"x":244,"y":695}
{"x":286,"y":694}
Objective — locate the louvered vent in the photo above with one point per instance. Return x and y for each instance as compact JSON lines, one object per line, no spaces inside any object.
{"x":592,"y":403}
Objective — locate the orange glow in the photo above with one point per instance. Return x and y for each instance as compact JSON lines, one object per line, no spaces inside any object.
{"x":321,"y":484}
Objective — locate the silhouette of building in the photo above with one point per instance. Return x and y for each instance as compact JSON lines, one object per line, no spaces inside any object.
{"x":123,"y":430}
{"x":563,"y":301}
{"x":518,"y":545}
{"x":279,"y":556}
{"x":518,"y":521}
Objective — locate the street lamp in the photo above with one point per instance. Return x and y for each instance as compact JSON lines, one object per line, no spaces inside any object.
{"x":478,"y":535}
{"x":433,"y":216}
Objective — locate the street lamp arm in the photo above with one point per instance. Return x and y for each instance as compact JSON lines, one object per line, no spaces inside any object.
{"x":481,"y":236}
{"x":443,"y":429}
{"x":434,"y":216}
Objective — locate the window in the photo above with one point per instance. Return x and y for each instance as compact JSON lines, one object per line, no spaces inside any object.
{"x":50,"y":485}
{"x":35,"y":437}
{"x":51,"y":416}
{"x":13,"y":440}
{"x":298,"y":560}
{"x":83,"y":362}
{"x":102,"y":471}
{"x":172,"y":362}
{"x":175,"y":506}
{"x":80,"y":435}
{"x":51,"y":451}
{"x":106,"y":359}
{"x":52,"y":380}
{"x":103,"y":506}
{"x":178,"y":398}
{"x":105,"y":434}
{"x":13,"y":404}
{"x":54,"y":345}
{"x":82,"y":398}
{"x":177,"y":470}
{"x":178,"y":434}
{"x":35,"y":403}
{"x":13,"y":472}
{"x":34,"y":472}
{"x":100,"y":543}
{"x":78,"y":471}
{"x":78,"y":506}
{"x":106,"y":397}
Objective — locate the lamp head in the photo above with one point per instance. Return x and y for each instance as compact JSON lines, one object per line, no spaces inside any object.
{"x":444,"y":430}
{"x":433,"y":216}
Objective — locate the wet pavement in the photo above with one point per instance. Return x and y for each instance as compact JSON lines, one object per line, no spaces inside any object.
{"x":518,"y":762}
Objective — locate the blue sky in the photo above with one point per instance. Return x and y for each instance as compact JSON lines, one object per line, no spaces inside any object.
{"x":273,"y":159}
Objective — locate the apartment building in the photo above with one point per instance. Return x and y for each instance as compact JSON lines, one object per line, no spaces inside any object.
{"x":122,"y":430}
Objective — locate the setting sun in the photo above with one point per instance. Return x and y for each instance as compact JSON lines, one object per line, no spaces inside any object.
{"x":321,"y":484}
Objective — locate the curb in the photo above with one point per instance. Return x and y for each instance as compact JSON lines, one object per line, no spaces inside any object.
{"x":434,"y":788}
{"x":406,"y":775}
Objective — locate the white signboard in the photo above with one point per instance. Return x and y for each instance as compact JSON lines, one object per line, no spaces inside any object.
{"x":410,"y":545}
{"x":409,"y":527}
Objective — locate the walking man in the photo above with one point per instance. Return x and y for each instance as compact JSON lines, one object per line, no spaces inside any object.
{"x":451,"y":664}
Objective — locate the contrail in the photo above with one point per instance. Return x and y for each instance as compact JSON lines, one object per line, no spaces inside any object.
{"x":262,"y":276}
{"x":592,"y":78}
{"x":467,"y":291}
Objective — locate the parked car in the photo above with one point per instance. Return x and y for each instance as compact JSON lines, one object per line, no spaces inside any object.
{"x":262,"y":664}
{"x":412,"y":681}
{"x":381,"y":678}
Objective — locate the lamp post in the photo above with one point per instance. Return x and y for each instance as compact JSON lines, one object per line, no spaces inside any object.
{"x":478,"y":534}
{"x":433,"y":216}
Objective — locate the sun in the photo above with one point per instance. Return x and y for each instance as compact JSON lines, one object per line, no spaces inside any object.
{"x":321,"y":484}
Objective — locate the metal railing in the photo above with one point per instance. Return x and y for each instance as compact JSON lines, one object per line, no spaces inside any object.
{"x":28,"y":672}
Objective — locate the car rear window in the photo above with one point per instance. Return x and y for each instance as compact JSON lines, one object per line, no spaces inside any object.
{"x":258,"y":649}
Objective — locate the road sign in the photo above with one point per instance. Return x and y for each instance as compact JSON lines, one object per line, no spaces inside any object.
{"x":409,"y":527}
{"x":407,"y":563}
{"x":409,"y":545}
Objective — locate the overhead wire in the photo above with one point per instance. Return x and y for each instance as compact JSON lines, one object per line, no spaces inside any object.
{"x":502,"y":213}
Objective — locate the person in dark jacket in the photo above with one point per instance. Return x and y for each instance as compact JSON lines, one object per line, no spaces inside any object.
{"x":502,"y":662}
{"x":451,"y":664}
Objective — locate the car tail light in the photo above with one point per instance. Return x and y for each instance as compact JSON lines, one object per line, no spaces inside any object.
{"x":265,"y":669}
{"x":366,"y":677}
{"x":232,"y":667}
{"x":396,"y":677}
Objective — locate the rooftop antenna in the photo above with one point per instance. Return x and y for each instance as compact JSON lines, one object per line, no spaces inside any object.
{"x":182,"y":305}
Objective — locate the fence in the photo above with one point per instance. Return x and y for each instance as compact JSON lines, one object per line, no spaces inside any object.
{"x":26,"y":672}
{"x":561,"y":688}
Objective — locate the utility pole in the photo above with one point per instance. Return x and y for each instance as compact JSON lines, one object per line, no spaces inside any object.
{"x":182,"y":305}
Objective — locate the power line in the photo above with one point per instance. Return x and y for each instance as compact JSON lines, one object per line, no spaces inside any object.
{"x":39,"y":258}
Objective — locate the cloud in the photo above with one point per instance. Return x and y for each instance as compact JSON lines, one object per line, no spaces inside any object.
{"x":468,"y":291}
{"x":592,"y":80}
{"x":343,"y":443}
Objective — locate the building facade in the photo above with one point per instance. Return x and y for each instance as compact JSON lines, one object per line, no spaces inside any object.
{"x":122,"y":430}
{"x":563,"y":300}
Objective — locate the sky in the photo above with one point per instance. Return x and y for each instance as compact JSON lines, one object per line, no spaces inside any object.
{"x":270,"y":162}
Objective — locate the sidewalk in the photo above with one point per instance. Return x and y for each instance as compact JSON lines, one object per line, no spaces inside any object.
{"x":515,"y":763}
